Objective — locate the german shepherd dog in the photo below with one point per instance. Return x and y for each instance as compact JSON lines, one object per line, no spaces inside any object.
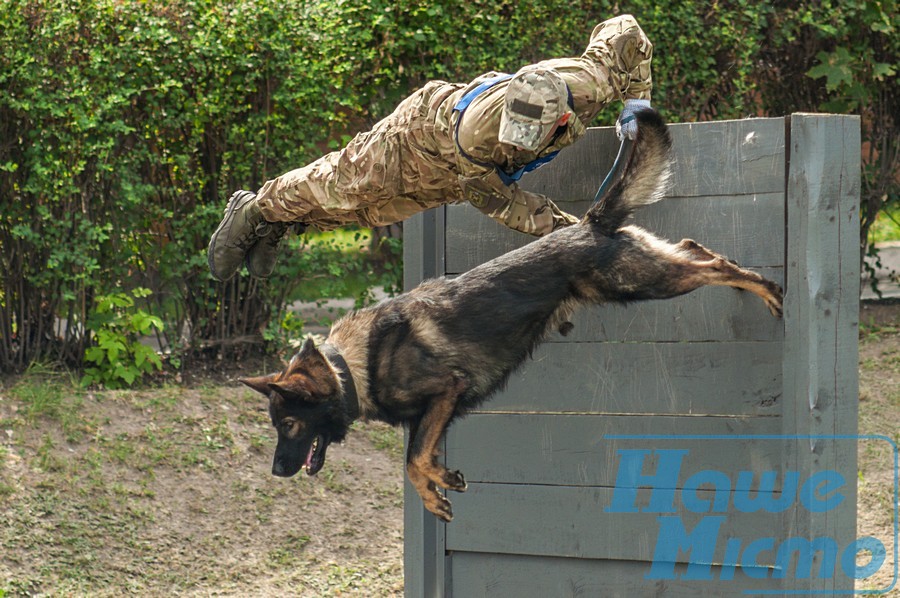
{"x":426,"y":357}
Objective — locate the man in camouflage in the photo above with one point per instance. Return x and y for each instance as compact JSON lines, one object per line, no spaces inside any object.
{"x":448,"y":143}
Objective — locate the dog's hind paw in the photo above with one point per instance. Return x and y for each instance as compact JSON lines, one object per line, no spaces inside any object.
{"x":776,"y":309}
{"x":439,"y":506}
{"x":775,"y":302}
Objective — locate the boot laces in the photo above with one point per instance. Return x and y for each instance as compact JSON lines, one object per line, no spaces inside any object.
{"x":252,"y":236}
{"x":271,"y":232}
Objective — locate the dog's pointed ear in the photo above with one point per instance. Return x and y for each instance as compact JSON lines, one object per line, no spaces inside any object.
{"x":307,"y":361}
{"x":308,"y":349}
{"x":308,"y":377}
{"x":260,"y":384}
{"x":292,"y":389}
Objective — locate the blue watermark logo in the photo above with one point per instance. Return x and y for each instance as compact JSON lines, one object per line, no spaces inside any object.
{"x":760,"y":523}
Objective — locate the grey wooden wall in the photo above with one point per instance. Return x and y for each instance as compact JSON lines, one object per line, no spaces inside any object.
{"x":778,"y":195}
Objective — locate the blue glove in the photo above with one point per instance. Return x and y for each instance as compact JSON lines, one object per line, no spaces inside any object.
{"x":627,"y":126}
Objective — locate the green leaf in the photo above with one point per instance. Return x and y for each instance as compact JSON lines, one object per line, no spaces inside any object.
{"x":95,"y":355}
{"x":88,"y":379}
{"x":836,"y":67}
{"x":882,"y":70}
{"x":112,"y":343}
{"x":155,"y":359}
{"x":129,"y":375}
{"x":156,"y":322}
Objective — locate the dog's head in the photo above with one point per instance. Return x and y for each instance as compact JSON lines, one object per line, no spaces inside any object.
{"x":306,"y":407}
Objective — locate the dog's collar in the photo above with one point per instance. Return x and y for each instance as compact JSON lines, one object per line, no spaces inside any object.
{"x":351,"y":400}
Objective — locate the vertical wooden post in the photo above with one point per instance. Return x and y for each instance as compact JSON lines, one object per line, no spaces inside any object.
{"x":820,"y":318}
{"x":423,"y":534}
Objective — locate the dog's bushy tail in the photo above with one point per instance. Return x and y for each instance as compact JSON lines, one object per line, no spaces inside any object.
{"x":644,"y":178}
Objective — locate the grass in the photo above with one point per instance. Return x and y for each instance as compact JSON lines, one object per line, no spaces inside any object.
{"x":44,"y":393}
{"x":386,"y":438}
{"x":335,"y":264}
{"x":41,"y":399}
{"x":873,"y":331}
{"x":285,"y":554}
{"x":879,"y":414}
{"x":886,"y":227}
{"x":6,"y":487}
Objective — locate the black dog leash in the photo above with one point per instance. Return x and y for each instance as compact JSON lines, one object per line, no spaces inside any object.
{"x":614,"y":170}
{"x":351,"y":399}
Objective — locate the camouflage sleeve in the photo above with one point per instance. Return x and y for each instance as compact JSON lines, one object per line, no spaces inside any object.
{"x":512,"y":206}
{"x":622,"y":48}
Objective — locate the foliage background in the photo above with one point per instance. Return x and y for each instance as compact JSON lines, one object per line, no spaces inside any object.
{"x":124,"y":125}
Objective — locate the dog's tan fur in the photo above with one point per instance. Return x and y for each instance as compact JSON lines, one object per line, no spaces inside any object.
{"x":343,"y":337}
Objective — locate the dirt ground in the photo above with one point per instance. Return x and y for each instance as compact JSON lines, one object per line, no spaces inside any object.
{"x":168,"y":491}
{"x":879,"y":414}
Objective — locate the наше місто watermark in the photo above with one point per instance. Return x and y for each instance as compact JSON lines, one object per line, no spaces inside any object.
{"x":698,"y":513}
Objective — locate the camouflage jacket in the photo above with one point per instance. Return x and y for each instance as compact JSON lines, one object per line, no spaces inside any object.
{"x":410,"y":161}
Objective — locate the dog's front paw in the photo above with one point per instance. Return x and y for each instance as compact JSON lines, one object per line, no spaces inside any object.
{"x":455,"y":481}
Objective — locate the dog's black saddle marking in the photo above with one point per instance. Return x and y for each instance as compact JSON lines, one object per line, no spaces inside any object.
{"x":351,"y":399}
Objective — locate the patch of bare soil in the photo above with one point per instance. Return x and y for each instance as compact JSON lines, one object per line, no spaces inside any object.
{"x":169,"y":492}
{"x":879,"y":414}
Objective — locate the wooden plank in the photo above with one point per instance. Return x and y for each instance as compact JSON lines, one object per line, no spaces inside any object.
{"x":684,"y":378}
{"x":573,"y":522}
{"x":739,"y":227}
{"x":480,"y":575}
{"x":576,"y":450}
{"x":821,"y":310}
{"x":413,"y":248}
{"x":729,"y":157}
{"x":707,"y":314}
{"x":713,"y":158}
{"x":577,"y":172}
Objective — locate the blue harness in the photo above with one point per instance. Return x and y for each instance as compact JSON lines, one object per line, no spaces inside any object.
{"x":461,"y":106}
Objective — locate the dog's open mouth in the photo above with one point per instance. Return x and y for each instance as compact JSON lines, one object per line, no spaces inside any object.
{"x":316,"y":457}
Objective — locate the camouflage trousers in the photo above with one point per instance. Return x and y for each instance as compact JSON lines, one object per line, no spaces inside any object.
{"x":404,"y":165}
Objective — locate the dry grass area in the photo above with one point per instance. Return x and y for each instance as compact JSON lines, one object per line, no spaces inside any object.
{"x":168,"y":492}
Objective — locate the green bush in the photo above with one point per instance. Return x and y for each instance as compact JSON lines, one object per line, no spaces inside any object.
{"x":118,"y":356}
{"x":125,"y":124}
